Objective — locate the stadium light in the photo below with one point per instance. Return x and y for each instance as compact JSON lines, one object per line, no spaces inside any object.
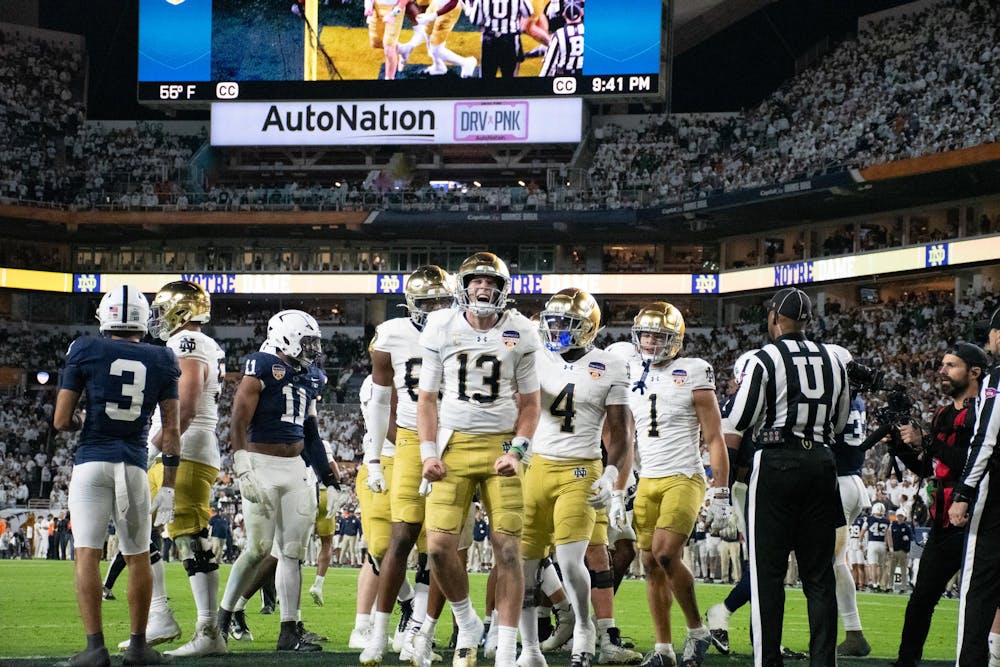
{"x":520,"y":182}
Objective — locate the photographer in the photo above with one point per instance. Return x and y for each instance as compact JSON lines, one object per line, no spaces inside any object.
{"x":940,"y":454}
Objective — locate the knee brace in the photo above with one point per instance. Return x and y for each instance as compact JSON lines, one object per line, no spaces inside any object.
{"x":375,"y":563}
{"x":196,"y":553}
{"x":602,"y":579}
{"x":423,"y":572}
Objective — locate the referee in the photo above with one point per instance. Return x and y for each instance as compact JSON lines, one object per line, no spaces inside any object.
{"x":981,"y":573}
{"x":500,"y":21}
{"x":795,"y":398}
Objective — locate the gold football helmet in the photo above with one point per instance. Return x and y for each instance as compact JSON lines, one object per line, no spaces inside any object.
{"x":175,"y":305}
{"x":570,"y":319}
{"x":483,"y":264}
{"x":664,"y":325}
{"x":427,"y":289}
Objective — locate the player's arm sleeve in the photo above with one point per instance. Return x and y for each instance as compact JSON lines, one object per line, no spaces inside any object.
{"x":73,"y":378}
{"x":749,"y":400}
{"x":525,"y":374}
{"x":984,"y":438}
{"x":704,"y":377}
{"x":618,"y":392}
{"x":316,"y":452}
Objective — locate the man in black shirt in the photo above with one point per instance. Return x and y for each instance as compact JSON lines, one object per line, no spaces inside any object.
{"x":940,"y":455}
{"x":795,"y":398}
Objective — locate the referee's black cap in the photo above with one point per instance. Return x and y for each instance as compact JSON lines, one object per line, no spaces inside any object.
{"x":972,"y":355}
{"x":995,"y":319}
{"x":792,"y":303}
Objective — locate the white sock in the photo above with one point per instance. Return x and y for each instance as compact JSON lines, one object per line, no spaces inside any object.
{"x":665,"y":649}
{"x":700,"y":631}
{"x":420,"y":602}
{"x":847,"y":596}
{"x":604,"y":623}
{"x":576,"y":581}
{"x":380,"y":624}
{"x":419,"y":36}
{"x":319,"y":581}
{"x":506,"y":645}
{"x":159,"y":600}
{"x":405,"y":591}
{"x":428,"y":626}
{"x":362,"y":621}
{"x":205,"y":588}
{"x":288,"y":585}
{"x":464,"y":613}
{"x":241,"y":604}
{"x":994,"y":642}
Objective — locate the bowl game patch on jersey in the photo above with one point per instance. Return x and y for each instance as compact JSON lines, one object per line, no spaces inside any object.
{"x":596,"y":369}
{"x":511,"y":338}
{"x":680,"y":376}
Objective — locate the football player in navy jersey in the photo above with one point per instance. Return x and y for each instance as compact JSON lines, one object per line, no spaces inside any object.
{"x":125,"y":380}
{"x":273,"y":424}
{"x":879,"y":541}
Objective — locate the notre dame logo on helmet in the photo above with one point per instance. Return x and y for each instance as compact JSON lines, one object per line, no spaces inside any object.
{"x":187,"y":344}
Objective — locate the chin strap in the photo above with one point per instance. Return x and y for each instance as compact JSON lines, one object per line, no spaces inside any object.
{"x":640,"y":384}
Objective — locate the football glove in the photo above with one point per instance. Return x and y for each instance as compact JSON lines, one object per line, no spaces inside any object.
{"x":162,"y":506}
{"x":376,"y":479}
{"x":249,"y":485}
{"x":602,"y":488}
{"x":335,"y":501}
{"x":425,"y":487}
{"x":616,"y":511}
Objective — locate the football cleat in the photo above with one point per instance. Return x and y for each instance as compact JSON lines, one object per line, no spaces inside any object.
{"x":464,"y":657}
{"x":161,"y":627}
{"x":581,"y":660}
{"x":789,"y":654}
{"x":613,"y":652}
{"x":267,"y":609}
{"x":145,"y":655}
{"x":565,"y":620}
{"x":359,"y":638}
{"x":468,"y":67}
{"x":717,"y":617}
{"x":289,"y":639}
{"x":97,"y":657}
{"x":238,"y":628}
{"x":492,"y":639}
{"x":654,"y":659}
{"x":854,"y":645}
{"x":107,"y":594}
{"x":422,"y":651}
{"x":207,"y":640}
{"x":372,"y":655}
{"x":309,"y":635}
{"x":316,"y":591}
{"x":531,"y":657}
{"x":405,"y":613}
{"x":695,"y":647}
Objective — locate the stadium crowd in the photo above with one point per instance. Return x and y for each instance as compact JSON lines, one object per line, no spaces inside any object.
{"x":875,"y":98}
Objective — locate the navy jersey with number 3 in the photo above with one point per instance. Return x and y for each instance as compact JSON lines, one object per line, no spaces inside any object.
{"x":284,"y":398}
{"x":124,"y":382}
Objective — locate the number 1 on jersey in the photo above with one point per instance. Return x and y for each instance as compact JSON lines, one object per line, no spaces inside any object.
{"x":295,"y":405}
{"x":653,"y":432}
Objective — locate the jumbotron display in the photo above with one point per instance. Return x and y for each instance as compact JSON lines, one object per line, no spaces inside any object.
{"x":258,"y":50}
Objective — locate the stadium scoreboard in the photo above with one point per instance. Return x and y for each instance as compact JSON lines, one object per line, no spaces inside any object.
{"x":203,"y":51}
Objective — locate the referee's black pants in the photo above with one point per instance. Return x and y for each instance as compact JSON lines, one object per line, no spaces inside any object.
{"x":500,"y":53}
{"x":941,"y":559}
{"x":793,"y":505}
{"x":980,"y":577}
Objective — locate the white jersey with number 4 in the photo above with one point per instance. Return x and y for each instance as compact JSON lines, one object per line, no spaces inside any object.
{"x":575,"y":396}
{"x":365,"y":395}
{"x":400,"y":339}
{"x":667,"y":430}
{"x":199,"y":442}
{"x":481,"y":369}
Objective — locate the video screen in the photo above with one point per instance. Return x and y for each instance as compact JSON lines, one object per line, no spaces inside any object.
{"x":210,"y":50}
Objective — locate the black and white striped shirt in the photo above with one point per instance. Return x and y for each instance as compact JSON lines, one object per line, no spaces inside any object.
{"x":796,"y":386}
{"x":565,"y":52}
{"x":498,"y":17}
{"x":985,"y":434}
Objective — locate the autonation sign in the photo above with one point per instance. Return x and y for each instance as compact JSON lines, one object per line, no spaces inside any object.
{"x":408,"y":122}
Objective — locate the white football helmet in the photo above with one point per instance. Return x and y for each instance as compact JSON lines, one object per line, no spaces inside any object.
{"x":295,"y":334}
{"x":878,"y":509}
{"x":123,"y":309}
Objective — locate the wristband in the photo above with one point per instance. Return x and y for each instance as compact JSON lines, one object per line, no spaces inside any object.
{"x":428,"y":450}
{"x":171,"y":461}
{"x":517,"y":451}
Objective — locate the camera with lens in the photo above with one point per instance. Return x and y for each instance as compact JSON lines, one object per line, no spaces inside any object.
{"x":898,"y":407}
{"x":864,"y":378}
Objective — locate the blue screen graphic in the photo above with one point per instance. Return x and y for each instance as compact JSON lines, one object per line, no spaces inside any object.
{"x":175,"y":40}
{"x":622,"y":37}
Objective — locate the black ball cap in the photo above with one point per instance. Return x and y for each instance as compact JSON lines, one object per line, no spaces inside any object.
{"x":995,"y":319}
{"x":972,"y":355}
{"x":792,"y":303}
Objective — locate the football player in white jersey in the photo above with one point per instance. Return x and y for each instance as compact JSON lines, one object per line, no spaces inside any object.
{"x":564,"y":486}
{"x":396,"y":361}
{"x":674,"y":405}
{"x":176,"y":315}
{"x":480,"y":356}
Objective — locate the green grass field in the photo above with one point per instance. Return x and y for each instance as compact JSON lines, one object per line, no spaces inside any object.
{"x":39,"y":619}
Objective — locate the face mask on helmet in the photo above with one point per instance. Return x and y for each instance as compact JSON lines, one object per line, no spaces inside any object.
{"x":571,"y":319}
{"x":427,"y":289}
{"x":123,"y":310}
{"x":295,"y":334}
{"x":484,"y":284}
{"x":658,"y":333}
{"x":177,"y":304}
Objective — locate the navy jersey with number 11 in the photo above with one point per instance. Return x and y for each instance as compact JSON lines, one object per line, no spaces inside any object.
{"x":284,"y":398}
